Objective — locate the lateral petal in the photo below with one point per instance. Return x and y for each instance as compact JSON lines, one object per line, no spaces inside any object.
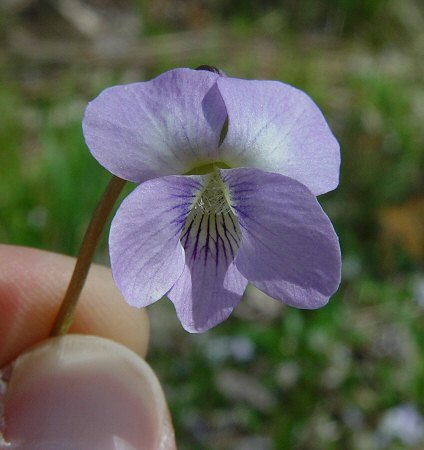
{"x":144,"y":242}
{"x":288,"y":248}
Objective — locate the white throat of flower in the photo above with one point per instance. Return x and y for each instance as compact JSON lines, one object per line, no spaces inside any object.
{"x":214,"y":198}
{"x":211,"y":230}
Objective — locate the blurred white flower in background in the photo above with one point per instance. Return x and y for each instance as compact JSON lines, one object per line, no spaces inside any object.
{"x":418,"y":291}
{"x":404,"y":423}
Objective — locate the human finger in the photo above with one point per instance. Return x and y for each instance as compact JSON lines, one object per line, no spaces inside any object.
{"x":32,"y":285}
{"x":80,"y":392}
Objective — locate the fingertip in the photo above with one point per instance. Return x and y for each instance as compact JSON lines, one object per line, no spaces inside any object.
{"x":85,"y":393}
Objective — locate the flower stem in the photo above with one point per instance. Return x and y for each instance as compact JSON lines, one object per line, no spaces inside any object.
{"x":89,"y":243}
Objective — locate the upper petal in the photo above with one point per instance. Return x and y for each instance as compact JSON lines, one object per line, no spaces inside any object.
{"x":278,"y":128}
{"x":164,"y":126}
{"x":289,"y":248}
{"x":144,"y":243}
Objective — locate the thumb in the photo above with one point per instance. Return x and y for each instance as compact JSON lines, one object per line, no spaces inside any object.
{"x":84,"y":393}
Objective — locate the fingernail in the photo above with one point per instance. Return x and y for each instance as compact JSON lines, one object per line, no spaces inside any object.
{"x":85,"y":393}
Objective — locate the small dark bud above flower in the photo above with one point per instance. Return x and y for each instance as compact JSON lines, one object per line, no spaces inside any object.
{"x":211,"y":69}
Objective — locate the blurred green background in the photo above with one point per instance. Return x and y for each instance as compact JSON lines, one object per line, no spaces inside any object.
{"x":349,"y":376}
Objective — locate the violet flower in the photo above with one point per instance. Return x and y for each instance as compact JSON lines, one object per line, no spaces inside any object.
{"x":228,"y":171}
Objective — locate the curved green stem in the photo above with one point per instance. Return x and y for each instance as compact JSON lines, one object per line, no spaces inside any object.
{"x":91,"y":238}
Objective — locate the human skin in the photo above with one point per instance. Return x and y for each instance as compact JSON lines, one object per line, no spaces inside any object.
{"x":95,"y":378}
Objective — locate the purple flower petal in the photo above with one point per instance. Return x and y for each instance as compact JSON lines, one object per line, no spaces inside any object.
{"x":288,"y":249}
{"x":144,"y":243}
{"x":210,"y":286}
{"x":164,"y":126}
{"x":278,"y":128}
